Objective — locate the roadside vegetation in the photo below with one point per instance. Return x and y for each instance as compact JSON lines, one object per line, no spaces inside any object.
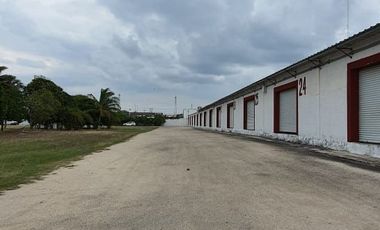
{"x":26,"y":155}
{"x":45,"y":105}
{"x":148,"y":120}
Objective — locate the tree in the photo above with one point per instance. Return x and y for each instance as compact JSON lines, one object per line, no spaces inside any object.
{"x":84,"y":107}
{"x":74,"y":119}
{"x":12,"y":105}
{"x":43,"y":107}
{"x":47,"y":103}
{"x":120,"y":118}
{"x":147,"y":120}
{"x":107,"y":104}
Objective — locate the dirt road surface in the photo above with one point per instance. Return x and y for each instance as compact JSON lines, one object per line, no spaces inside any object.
{"x":181,"y":178}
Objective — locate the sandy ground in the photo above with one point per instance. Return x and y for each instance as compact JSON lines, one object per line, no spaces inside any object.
{"x":181,"y":178}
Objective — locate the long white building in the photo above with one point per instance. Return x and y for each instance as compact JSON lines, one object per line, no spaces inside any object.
{"x":330,"y":99}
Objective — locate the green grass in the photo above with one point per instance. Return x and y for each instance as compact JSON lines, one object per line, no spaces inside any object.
{"x":26,"y":155}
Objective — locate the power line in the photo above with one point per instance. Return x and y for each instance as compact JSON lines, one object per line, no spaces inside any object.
{"x":348,"y":19}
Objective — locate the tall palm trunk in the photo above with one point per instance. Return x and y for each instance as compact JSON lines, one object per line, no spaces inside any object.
{"x":99,"y":120}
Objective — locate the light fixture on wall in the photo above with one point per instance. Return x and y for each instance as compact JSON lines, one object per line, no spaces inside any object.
{"x":256,"y":95}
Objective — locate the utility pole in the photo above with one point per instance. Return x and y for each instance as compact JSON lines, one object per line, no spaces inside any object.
{"x":175,"y":106}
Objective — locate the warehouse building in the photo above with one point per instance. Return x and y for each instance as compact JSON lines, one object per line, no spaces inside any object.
{"x":330,"y":99}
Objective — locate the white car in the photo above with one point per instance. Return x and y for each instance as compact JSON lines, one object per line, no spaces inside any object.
{"x":131,"y":123}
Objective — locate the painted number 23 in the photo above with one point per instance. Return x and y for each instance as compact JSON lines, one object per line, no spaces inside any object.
{"x":302,"y":86}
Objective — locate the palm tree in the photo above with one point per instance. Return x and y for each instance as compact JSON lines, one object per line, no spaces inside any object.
{"x":107,"y":104}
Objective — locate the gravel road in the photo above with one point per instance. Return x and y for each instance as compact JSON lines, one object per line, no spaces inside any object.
{"x":182,"y":178}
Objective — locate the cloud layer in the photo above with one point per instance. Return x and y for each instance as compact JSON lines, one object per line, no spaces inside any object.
{"x":151,"y":50}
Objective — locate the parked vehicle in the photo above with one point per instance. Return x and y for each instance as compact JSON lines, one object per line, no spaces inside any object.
{"x":131,"y":123}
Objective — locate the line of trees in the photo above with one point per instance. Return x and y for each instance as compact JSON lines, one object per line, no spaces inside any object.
{"x":45,"y":105}
{"x":155,"y":119}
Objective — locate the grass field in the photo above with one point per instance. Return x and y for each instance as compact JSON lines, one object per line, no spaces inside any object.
{"x":26,"y":155}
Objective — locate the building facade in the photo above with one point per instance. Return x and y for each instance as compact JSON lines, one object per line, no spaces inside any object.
{"x":330,"y":99}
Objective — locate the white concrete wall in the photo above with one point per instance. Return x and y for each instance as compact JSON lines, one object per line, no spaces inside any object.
{"x":322,"y":112}
{"x":176,"y":122}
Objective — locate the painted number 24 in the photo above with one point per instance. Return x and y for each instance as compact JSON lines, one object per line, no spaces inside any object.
{"x":302,"y":86}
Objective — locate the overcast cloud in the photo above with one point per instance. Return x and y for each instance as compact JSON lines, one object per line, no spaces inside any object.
{"x":151,"y":50}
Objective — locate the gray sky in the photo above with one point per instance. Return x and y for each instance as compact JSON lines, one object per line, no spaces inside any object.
{"x":151,"y":50}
